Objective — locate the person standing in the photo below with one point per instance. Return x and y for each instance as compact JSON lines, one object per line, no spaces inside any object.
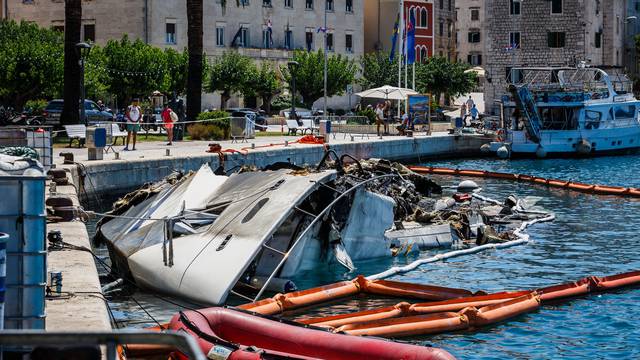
{"x":463,"y":111}
{"x":474,"y":112}
{"x":379,"y":117}
{"x":133,"y":115}
{"x":169,"y":118}
{"x":387,"y":116}
{"x":470,"y":103}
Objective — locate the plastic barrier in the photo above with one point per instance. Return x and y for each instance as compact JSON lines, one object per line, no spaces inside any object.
{"x":575,"y":186}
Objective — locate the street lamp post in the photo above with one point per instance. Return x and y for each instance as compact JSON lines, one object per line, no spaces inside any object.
{"x":293,"y":67}
{"x":629,"y":45}
{"x":83,"y":49}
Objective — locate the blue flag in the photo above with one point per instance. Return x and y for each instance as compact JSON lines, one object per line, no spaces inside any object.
{"x":411,"y":39}
{"x":394,"y":38}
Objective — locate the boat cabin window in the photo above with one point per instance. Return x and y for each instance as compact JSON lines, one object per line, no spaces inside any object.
{"x":592,"y":119}
{"x":559,"y":118}
{"x":625,"y":112}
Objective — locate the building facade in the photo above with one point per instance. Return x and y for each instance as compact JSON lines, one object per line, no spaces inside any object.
{"x":261,"y":29}
{"x":435,"y":27}
{"x":631,"y":29}
{"x":547,"y":33}
{"x":471,"y":32}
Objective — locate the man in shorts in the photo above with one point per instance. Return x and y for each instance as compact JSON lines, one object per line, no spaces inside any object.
{"x":133,"y":116}
{"x":379,"y":116}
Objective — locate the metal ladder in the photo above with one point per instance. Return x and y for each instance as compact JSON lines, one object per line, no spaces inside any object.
{"x":525,"y":100}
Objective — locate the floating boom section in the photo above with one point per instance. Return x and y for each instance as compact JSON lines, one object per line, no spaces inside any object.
{"x":525,"y":100}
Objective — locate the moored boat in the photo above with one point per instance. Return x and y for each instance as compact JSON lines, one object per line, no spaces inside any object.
{"x":582,"y":111}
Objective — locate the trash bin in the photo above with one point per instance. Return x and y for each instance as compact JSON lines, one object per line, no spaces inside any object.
{"x":325,"y":129}
{"x":96,"y":141}
{"x":459,"y":123}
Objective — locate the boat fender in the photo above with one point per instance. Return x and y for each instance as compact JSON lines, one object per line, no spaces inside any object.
{"x":583,"y":147}
{"x":467,"y":185}
{"x":485,"y":148}
{"x":503,"y":152}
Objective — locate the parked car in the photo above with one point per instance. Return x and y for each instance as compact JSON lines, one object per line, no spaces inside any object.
{"x":93,"y":112}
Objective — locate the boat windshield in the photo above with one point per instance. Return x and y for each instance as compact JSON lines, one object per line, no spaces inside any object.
{"x":559,"y":118}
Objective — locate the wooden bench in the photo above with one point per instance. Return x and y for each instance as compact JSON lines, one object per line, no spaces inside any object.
{"x":307,"y":124}
{"x":77,"y":133}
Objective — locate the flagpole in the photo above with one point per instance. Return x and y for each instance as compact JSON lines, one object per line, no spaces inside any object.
{"x":324,"y":114}
{"x":414,"y":76}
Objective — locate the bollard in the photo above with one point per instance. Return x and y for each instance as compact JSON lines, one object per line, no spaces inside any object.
{"x":52,"y":188}
{"x":253,"y":145}
{"x":117,"y":154}
{"x":167,"y":152}
{"x":4,"y":238}
{"x":286,"y":143}
{"x":55,"y":281}
{"x":352,"y":138}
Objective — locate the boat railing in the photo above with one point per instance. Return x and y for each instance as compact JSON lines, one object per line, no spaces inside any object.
{"x":25,"y":340}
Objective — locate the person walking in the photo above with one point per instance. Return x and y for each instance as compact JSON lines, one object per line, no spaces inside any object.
{"x":379,"y":117}
{"x":474,"y":112}
{"x":169,"y":117}
{"x":470,"y":103}
{"x":133,"y":115}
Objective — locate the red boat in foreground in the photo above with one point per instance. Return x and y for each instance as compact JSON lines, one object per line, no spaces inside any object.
{"x":221,"y":333}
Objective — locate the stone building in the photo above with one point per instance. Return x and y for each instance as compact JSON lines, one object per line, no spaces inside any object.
{"x":435,"y":27}
{"x":471,"y":31}
{"x":548,"y":33}
{"x":631,"y":29}
{"x":261,"y":29}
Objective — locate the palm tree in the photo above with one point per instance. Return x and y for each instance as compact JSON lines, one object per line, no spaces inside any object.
{"x":72,"y":23}
{"x":194,"y":76}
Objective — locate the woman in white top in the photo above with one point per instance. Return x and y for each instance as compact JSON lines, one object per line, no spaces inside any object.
{"x":133,"y":116}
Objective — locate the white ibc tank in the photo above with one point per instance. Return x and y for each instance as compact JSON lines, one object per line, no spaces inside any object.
{"x":23,"y":218}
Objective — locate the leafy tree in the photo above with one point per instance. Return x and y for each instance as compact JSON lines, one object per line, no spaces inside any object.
{"x":310,"y":75}
{"x":439,"y":76}
{"x":30,"y":62}
{"x":378,"y":71}
{"x":230,"y":73}
{"x":72,"y":24}
{"x":177,"y":69}
{"x":133,"y":68}
{"x":264,"y":82}
{"x":195,"y":70}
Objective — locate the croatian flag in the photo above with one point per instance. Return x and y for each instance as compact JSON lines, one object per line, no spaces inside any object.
{"x":411,"y":39}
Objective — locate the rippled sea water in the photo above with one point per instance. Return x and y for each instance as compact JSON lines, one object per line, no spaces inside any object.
{"x":592,"y":235}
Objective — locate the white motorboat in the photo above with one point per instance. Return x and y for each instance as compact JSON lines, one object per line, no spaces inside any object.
{"x":579,"y":111}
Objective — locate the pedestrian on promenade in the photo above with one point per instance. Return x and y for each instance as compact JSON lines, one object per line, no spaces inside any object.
{"x":463,"y":111}
{"x":379,"y":116}
{"x":474,"y":112}
{"x":387,"y":116}
{"x":133,"y":115}
{"x":169,"y":117}
{"x":470,"y":103}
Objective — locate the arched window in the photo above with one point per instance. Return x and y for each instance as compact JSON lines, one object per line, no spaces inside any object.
{"x":424,"y":22}
{"x":423,"y":54}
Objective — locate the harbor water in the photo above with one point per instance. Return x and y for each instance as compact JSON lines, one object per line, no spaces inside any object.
{"x":592,"y":235}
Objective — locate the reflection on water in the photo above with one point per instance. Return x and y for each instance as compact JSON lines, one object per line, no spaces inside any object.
{"x":593,"y":235}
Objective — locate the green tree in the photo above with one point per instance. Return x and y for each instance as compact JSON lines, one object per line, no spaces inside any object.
{"x":439,"y":76}
{"x":72,"y":24}
{"x":31,"y":62}
{"x":133,"y":68}
{"x":310,"y":75}
{"x":265,"y":82}
{"x":176,"y":73}
{"x":230,"y":73}
{"x":378,"y":71}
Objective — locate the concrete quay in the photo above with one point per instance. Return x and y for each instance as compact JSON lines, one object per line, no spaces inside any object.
{"x":82,"y":306}
{"x":150,"y":162}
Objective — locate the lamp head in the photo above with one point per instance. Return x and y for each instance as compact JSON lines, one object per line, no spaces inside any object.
{"x":293,"y":65}
{"x":84,"y":49}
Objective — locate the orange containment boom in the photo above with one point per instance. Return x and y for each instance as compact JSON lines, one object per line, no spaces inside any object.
{"x":575,"y":186}
{"x":450,"y":309}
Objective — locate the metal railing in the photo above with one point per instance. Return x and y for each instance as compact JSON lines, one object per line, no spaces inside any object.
{"x":33,"y":338}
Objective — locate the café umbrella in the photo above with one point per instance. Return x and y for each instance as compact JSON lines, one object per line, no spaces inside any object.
{"x":387,"y":92}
